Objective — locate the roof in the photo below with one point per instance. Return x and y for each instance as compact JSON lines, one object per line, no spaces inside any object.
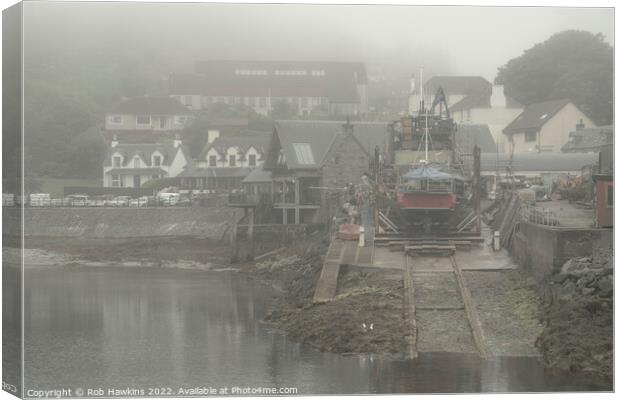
{"x":469,"y":135}
{"x":258,"y":175}
{"x":472,"y":101}
{"x":224,"y":172}
{"x":151,"y":106}
{"x":185,"y":84}
{"x":537,"y":162}
{"x":319,"y":136}
{"x":335,"y":80}
{"x":589,"y":139}
{"x":465,"y":85}
{"x":535,"y":116}
{"x":144,"y":151}
{"x":133,"y":171}
{"x":243,"y":141}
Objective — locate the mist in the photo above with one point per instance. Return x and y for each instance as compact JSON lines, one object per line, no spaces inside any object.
{"x":401,"y":39}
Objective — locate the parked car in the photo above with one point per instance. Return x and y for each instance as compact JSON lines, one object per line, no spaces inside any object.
{"x":78,"y":200}
{"x":64,"y":202}
{"x":120,"y":201}
{"x":168,"y":199}
{"x":139,"y":202}
{"x":39,"y":200}
{"x":98,"y":201}
{"x":8,"y":199}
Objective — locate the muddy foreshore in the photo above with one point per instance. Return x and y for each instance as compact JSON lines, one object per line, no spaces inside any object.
{"x":576,"y":337}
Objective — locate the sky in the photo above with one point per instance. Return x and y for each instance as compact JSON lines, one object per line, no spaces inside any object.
{"x":453,"y":40}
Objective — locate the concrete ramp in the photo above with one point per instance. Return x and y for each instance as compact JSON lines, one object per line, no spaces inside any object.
{"x":328,"y":280}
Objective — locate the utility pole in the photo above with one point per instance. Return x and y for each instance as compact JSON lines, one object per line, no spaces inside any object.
{"x":477,"y":187}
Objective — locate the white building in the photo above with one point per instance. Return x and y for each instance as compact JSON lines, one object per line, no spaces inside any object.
{"x":134,"y":164}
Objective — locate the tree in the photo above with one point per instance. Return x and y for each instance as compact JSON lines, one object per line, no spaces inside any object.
{"x":572,"y":64}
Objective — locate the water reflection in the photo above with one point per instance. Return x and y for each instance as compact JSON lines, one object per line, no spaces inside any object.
{"x":138,"y":327}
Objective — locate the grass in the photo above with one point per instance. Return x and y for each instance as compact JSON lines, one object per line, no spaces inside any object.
{"x":55,"y":186}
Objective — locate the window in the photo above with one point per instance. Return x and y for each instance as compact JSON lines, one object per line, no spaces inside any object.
{"x":530,"y":136}
{"x":252,"y":160}
{"x":143,"y":120}
{"x":212,"y":161}
{"x":610,"y":196}
{"x":115,"y":119}
{"x":303,"y":151}
{"x":136,"y":162}
{"x":117,"y":161}
{"x":232,"y":160}
{"x":116,"y":182}
{"x":157,"y":161}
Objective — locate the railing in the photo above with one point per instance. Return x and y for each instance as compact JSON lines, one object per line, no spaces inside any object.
{"x":538,"y":215}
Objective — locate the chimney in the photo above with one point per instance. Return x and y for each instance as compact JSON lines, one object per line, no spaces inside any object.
{"x":498,"y":99}
{"x":177,"y":141}
{"x":212,"y":134}
{"x":580,"y":125}
{"x":114,"y":141}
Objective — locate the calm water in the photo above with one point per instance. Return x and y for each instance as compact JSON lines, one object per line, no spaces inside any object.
{"x":140,"y":328}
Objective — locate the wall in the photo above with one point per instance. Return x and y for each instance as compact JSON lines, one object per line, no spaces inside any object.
{"x":544,"y":250}
{"x":346,"y":162}
{"x":210,"y":222}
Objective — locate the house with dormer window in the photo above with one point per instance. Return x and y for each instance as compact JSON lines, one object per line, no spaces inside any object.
{"x":225,"y":161}
{"x":134,"y":164}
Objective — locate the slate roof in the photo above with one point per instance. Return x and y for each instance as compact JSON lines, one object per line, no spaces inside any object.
{"x":321,"y":135}
{"x":589,"y":139}
{"x":469,"y":135}
{"x":535,"y":116}
{"x":151,"y":106}
{"x":141,"y":171}
{"x":466,"y":85}
{"x":338,"y":83}
{"x":531,"y":162}
{"x":185,"y":84}
{"x":191,"y":171}
{"x":243,"y":141}
{"x":471,"y":101}
{"x":258,"y":175}
{"x":145,"y":151}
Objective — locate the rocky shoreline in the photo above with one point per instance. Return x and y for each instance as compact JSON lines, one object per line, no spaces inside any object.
{"x":578,"y":332}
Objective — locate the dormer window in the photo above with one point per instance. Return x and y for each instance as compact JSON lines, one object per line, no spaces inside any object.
{"x":232,"y":160}
{"x":212,"y":161}
{"x":136,"y":162}
{"x":156,"y":161}
{"x":252,"y":160}
{"x":116,"y":161}
{"x":143,"y":120}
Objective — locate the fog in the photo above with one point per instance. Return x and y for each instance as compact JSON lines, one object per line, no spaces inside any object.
{"x":445,"y":40}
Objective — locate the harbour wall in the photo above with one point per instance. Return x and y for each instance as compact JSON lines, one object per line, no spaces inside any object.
{"x":206,"y":222}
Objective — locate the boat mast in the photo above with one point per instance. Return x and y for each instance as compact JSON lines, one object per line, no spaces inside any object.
{"x":425,"y":117}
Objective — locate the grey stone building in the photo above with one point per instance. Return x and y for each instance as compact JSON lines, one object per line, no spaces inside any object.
{"x":312,"y":162}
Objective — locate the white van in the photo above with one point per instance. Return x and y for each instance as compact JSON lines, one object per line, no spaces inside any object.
{"x":168,"y":199}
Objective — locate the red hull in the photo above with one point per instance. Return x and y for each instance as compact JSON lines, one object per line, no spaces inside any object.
{"x":426,"y":201}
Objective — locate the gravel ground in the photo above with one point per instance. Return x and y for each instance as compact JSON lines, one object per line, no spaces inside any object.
{"x":445,"y":330}
{"x":436,"y":290}
{"x":508,"y":305}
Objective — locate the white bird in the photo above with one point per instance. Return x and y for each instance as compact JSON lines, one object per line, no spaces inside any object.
{"x":364,"y":326}
{"x":372,"y":327}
